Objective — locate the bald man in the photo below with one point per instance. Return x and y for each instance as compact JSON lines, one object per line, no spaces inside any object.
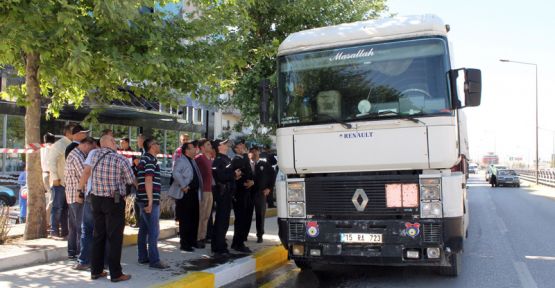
{"x":110,"y":173}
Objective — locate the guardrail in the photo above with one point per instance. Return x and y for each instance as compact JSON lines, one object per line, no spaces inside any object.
{"x":546,"y":177}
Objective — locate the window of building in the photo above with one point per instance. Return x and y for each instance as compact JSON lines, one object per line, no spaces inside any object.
{"x":197,"y":116}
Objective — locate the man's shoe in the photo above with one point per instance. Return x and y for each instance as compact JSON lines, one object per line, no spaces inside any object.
{"x":187,"y":248}
{"x":143,"y":262}
{"x":160,"y":265}
{"x":101,"y":275}
{"x":242,"y":249}
{"x":81,"y":267}
{"x":200,"y":245}
{"x":259,"y":240}
{"x":123,"y":277}
{"x":72,"y":257}
{"x":222,"y":254}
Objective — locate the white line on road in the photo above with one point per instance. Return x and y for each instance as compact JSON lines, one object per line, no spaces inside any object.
{"x":540,"y":258}
{"x":524,"y":275}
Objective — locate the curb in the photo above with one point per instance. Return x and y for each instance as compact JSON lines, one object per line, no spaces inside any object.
{"x":261,"y":262}
{"x":60,"y":253}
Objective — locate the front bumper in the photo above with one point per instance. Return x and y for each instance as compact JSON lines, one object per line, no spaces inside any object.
{"x":445,"y":234}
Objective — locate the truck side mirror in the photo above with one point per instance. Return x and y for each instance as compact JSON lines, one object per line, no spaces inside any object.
{"x":470,"y":86}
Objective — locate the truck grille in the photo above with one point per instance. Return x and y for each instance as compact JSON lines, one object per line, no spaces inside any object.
{"x":332,"y":196}
{"x":296,"y":231}
{"x":431,"y":232}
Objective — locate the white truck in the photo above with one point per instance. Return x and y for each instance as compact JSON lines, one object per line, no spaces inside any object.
{"x":372,"y":145}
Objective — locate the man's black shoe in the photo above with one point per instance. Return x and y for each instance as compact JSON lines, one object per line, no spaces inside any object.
{"x":242,"y":249}
{"x":259,"y":240}
{"x":200,"y":245}
{"x":187,"y":248}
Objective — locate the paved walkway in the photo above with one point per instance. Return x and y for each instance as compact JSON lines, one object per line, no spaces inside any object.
{"x":60,"y":274}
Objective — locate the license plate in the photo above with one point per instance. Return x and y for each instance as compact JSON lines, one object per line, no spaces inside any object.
{"x":361,"y":238}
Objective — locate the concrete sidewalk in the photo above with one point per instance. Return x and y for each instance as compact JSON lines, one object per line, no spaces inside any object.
{"x":32,"y":252}
{"x":185,"y":267}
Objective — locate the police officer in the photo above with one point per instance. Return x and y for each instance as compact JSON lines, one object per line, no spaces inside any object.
{"x":242,"y":202}
{"x":224,"y":178}
{"x":263,"y":185}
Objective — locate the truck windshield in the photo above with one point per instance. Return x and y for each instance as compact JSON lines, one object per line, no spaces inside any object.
{"x":364,"y":82}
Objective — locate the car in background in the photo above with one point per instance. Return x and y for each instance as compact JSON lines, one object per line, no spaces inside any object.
{"x":7,"y":196}
{"x":472,"y":168}
{"x":492,"y":170}
{"x":507,"y":177}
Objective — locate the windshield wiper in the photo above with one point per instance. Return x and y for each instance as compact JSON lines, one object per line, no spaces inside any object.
{"x":394,"y":113}
{"x":343,"y":123}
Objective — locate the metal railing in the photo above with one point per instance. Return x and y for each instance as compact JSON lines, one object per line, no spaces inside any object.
{"x":546,"y":177}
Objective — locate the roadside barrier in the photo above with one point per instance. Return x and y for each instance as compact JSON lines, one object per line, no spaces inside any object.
{"x":545,"y":177}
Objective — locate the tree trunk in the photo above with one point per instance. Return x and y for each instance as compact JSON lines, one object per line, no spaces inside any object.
{"x":36,"y":204}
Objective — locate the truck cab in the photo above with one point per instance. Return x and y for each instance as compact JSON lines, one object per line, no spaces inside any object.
{"x":372,"y":145}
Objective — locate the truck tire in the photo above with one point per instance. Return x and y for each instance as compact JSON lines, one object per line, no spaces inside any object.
{"x":455,"y":269}
{"x":303,"y":264}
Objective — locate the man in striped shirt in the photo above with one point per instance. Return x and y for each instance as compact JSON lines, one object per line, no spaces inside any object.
{"x":110,"y":174}
{"x":73,"y":170}
{"x":148,"y":198}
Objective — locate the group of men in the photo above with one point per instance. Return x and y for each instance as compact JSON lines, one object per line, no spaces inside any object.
{"x":205,"y":177}
{"x":89,"y":180}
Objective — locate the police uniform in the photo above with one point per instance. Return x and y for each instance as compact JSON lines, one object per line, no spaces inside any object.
{"x":263,"y":179}
{"x":242,"y":203}
{"x":224,"y":178}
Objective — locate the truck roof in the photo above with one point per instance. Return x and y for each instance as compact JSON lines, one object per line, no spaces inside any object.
{"x":363,"y":32}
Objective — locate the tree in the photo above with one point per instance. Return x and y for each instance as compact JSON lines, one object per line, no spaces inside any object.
{"x":259,"y":28}
{"x":67,"y":50}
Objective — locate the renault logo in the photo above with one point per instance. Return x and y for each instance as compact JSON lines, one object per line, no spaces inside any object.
{"x":360,"y":205}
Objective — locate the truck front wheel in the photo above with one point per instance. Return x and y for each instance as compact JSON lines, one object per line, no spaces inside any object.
{"x":303,"y":264}
{"x":455,"y":268}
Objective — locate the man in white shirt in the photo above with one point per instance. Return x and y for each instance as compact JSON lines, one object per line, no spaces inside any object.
{"x":48,"y":140}
{"x":56,"y":166}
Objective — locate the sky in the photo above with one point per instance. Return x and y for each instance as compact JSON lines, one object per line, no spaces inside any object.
{"x":482,"y":32}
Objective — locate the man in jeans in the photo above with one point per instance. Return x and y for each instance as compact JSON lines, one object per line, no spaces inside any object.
{"x":56,"y":166}
{"x":148,"y":199}
{"x":74,"y":196}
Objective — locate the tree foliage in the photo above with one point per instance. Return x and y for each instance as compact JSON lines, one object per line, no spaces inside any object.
{"x":69,"y":49}
{"x":261,"y":25}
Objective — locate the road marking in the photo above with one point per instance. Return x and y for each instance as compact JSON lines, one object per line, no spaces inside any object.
{"x":281,"y":279}
{"x":540,"y":258}
{"x":524,"y":275}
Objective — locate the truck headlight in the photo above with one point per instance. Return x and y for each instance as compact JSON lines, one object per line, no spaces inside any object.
{"x":295,"y":191}
{"x":431,"y":210}
{"x":296,"y":210}
{"x":430,"y":192}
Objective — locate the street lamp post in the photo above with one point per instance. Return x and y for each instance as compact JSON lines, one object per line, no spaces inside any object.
{"x":537,"y":127}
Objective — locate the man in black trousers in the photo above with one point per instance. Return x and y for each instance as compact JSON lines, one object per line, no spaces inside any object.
{"x":224,"y":178}
{"x":188,"y":179}
{"x":242,"y":202}
{"x":110,"y":174}
{"x":263,"y":185}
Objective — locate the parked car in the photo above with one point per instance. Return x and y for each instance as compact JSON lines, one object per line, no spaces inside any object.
{"x":7,"y":196}
{"x":491,"y":169}
{"x":472,"y":168}
{"x":506,"y":177}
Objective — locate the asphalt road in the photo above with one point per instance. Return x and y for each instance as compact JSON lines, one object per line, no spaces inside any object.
{"x":511,"y":244}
